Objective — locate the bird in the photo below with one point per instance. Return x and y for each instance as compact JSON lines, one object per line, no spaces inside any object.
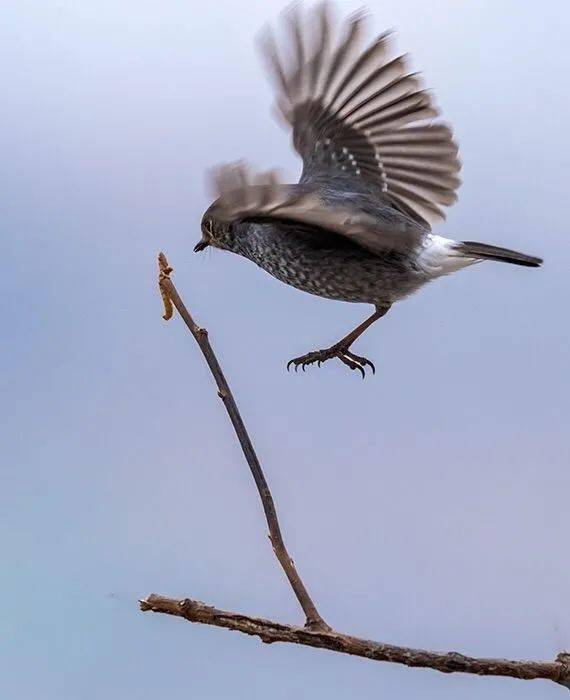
{"x":379,"y":168}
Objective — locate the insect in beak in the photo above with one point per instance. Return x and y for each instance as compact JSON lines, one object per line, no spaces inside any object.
{"x":200,"y":246}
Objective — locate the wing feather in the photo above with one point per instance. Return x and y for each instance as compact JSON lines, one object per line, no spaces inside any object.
{"x":357,"y":113}
{"x":243,"y":196}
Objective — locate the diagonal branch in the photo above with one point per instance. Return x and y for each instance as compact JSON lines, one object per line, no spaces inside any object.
{"x":450,"y":662}
{"x":170,"y":296}
{"x":316,"y":632}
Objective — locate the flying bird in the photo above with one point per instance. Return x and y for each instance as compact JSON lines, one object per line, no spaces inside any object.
{"x":379,"y":168}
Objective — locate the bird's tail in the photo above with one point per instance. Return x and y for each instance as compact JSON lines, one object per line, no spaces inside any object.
{"x":484,"y":251}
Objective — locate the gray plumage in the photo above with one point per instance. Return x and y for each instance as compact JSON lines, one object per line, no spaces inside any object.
{"x":378,"y":168}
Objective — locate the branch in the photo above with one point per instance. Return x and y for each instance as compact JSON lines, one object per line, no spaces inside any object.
{"x":316,"y":632}
{"x":170,"y":296}
{"x":268,"y":631}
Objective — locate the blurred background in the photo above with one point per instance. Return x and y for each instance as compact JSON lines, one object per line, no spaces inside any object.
{"x":427,"y":506}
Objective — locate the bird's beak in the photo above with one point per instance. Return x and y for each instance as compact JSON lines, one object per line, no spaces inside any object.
{"x":201,"y":245}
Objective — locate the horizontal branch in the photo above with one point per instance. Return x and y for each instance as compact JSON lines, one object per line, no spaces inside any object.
{"x":450,"y":662}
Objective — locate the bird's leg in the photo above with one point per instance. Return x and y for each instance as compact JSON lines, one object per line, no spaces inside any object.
{"x":341,"y":350}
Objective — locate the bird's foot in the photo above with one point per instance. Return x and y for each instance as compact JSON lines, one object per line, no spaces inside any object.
{"x":352,"y":361}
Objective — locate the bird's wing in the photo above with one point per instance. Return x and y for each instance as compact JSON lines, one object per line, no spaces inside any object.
{"x":243,"y":196}
{"x":356,"y":113}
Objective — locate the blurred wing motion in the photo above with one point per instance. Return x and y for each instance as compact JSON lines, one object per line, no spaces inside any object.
{"x":357,"y":113}
{"x":262,"y":198}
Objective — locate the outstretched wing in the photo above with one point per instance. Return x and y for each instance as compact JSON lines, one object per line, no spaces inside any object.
{"x":242,"y":196}
{"x":357,"y":114}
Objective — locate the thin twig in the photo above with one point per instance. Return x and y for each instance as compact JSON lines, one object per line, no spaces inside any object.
{"x":316,"y":632}
{"x":450,"y":662}
{"x":170,"y":296}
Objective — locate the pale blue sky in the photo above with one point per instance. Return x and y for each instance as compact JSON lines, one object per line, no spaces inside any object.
{"x":427,"y":506}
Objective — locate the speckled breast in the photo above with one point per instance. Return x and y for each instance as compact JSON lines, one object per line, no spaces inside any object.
{"x":322,"y":265}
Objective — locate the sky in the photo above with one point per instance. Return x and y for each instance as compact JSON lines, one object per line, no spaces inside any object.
{"x":426,"y":506}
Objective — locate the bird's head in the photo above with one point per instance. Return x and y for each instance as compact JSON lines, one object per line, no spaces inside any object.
{"x":215,"y":232}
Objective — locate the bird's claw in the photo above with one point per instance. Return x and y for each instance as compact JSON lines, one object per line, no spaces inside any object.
{"x":352,"y":361}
